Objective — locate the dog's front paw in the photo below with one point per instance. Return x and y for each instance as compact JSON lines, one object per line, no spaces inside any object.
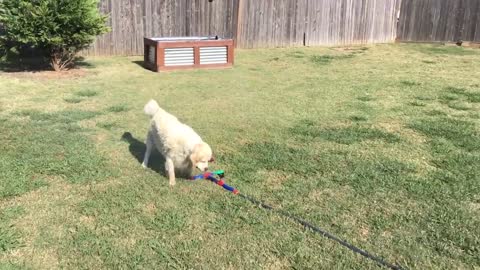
{"x":144,"y":165}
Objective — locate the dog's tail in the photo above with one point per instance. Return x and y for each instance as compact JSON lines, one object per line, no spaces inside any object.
{"x":151,"y":108}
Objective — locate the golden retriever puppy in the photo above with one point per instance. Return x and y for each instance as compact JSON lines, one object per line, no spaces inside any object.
{"x":180,"y":145}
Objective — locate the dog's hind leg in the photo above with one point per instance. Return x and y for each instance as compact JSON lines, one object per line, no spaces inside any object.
{"x":170,"y":168}
{"x":148,"y":151}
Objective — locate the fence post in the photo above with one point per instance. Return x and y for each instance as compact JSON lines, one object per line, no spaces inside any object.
{"x":239,"y":14}
{"x":459,"y":23}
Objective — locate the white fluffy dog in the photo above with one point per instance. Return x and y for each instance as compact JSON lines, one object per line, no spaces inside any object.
{"x":181,"y":146}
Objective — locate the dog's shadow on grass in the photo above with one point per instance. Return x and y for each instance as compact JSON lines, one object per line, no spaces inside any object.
{"x":137,"y":149}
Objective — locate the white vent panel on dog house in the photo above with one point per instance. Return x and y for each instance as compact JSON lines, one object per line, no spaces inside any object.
{"x":179,"y":57}
{"x":213,"y":55}
{"x":151,"y":54}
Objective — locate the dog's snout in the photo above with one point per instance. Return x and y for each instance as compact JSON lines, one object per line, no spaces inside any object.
{"x":206,"y":169}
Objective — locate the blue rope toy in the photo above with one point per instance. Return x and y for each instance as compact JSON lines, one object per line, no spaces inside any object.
{"x":212,"y":176}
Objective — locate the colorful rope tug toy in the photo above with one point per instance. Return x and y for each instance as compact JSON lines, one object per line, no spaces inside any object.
{"x":212,"y":176}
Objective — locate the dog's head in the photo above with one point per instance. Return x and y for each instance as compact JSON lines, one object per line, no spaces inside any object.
{"x":201,"y":155}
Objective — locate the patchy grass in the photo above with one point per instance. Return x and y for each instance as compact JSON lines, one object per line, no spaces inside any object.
{"x":327,"y":59}
{"x":118,"y":108}
{"x":446,"y":50}
{"x":60,"y":117}
{"x":345,"y":135}
{"x":331,"y":138}
{"x":424,"y":98}
{"x":10,"y":238}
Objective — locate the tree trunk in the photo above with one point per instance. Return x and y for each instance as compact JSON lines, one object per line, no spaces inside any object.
{"x":61,"y":60}
{"x":55,"y":63}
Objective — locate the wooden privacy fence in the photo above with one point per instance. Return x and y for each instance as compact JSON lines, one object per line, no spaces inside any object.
{"x":439,"y":20}
{"x":252,"y":23}
{"x":282,"y":23}
{"x":316,"y":22}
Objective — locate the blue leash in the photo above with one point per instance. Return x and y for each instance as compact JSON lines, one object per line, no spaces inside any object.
{"x":211,"y":176}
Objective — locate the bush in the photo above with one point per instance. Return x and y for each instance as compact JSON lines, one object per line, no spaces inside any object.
{"x":57,"y":28}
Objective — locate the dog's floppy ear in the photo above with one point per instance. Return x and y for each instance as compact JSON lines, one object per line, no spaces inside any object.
{"x":194,"y":154}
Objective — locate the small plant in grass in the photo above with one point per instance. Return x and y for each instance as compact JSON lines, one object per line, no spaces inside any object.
{"x":358,"y":118}
{"x":424,"y":98}
{"x":409,"y":83}
{"x":460,"y":105}
{"x":86,"y":93}
{"x":473,"y":97}
{"x":449,"y":97}
{"x":366,"y":98}
{"x":326,"y":59}
{"x":106,"y":125}
{"x":322,"y":59}
{"x":73,"y":100}
{"x":417,"y":103}
{"x":455,"y":90}
{"x":58,"y":28}
{"x":297,"y":54}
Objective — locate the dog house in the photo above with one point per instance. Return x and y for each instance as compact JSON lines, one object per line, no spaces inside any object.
{"x":173,"y":53}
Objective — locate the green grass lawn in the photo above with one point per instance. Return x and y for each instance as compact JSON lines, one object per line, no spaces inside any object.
{"x":379,"y":145}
